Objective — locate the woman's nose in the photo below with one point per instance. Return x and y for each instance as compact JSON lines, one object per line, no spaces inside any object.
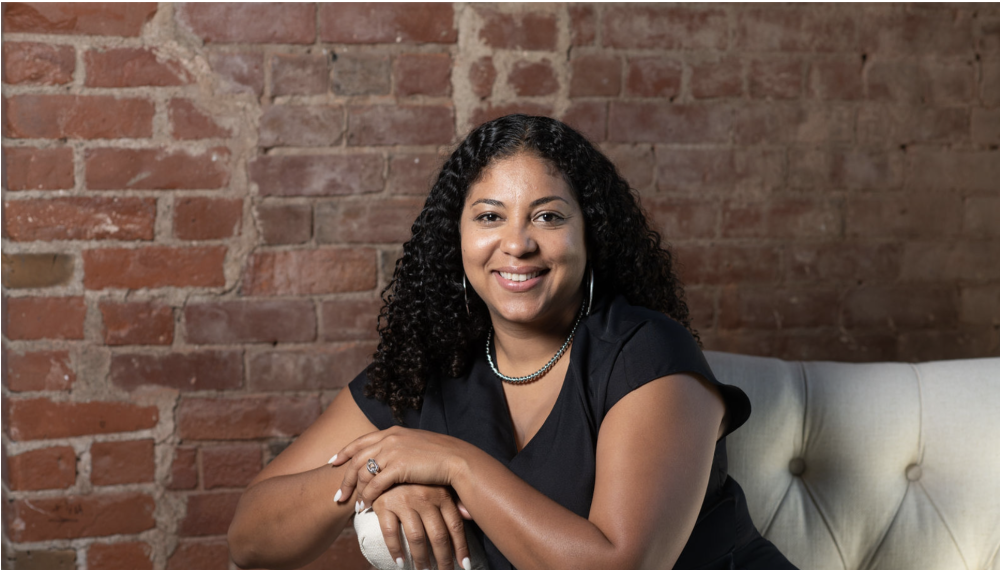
{"x":518,"y":241}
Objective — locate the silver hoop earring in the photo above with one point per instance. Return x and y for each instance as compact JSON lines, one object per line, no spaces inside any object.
{"x":465,"y":291}
{"x":590,"y":300}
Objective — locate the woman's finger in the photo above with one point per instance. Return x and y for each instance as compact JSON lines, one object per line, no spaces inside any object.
{"x":352,"y":472}
{"x":351,"y":449}
{"x":416,"y":538}
{"x":377,"y":484}
{"x":452,"y":517}
{"x":389,"y":523}
{"x":439,"y":536}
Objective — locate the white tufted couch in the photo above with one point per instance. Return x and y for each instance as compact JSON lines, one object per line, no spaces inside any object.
{"x":871,"y":466}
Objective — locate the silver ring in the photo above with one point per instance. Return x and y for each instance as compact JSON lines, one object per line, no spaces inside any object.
{"x":373,"y":467}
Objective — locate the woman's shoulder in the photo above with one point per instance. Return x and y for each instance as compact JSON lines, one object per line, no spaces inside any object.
{"x":621,"y":323}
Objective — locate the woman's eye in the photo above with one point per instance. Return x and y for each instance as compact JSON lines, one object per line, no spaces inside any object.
{"x":549,"y":217}
{"x":488,"y":217}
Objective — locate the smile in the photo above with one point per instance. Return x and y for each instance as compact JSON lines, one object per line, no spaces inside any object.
{"x":519,"y":276}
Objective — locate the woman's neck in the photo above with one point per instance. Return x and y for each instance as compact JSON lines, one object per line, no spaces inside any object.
{"x":523,"y":348}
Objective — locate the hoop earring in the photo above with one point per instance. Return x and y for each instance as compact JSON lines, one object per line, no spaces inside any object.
{"x":590,"y":300}
{"x":465,"y":291}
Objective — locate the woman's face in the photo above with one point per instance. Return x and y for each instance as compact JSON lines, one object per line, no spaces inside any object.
{"x":523,"y":244}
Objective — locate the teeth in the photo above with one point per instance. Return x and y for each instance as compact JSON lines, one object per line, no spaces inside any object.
{"x":519,"y":276}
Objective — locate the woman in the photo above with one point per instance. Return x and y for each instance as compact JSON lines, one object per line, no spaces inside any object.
{"x":536,"y":346}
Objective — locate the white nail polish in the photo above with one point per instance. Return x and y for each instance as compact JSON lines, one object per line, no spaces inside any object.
{"x":356,"y":509}
{"x":399,"y":562}
{"x":362,"y":505}
{"x":466,"y":563}
{"x":332,"y":459}
{"x":336,"y":498}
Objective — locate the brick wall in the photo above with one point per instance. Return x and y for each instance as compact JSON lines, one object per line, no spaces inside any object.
{"x":202,"y":201}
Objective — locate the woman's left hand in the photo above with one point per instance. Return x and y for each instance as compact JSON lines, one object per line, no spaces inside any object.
{"x":402,"y":456}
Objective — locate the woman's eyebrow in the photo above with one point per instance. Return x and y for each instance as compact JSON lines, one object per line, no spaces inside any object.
{"x":536,"y":203}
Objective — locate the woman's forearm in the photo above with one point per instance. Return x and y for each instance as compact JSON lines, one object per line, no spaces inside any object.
{"x":288,"y":520}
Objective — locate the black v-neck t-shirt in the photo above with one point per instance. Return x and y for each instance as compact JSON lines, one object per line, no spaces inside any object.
{"x":618,"y":348}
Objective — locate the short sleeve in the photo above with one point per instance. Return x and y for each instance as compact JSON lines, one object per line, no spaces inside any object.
{"x":662,"y":347}
{"x":378,"y":413}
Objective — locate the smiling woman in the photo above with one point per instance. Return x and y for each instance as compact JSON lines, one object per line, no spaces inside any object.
{"x":537,"y":384}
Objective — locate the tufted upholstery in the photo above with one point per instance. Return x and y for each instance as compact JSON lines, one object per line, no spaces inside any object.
{"x":871,"y":466}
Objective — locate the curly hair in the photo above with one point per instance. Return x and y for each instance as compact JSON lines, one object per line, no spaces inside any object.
{"x":424,"y":327}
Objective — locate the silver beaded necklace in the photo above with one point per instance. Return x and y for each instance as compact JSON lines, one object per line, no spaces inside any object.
{"x":544,"y":369}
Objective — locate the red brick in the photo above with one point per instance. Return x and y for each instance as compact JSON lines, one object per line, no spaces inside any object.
{"x":120,"y":462}
{"x":901,"y":124}
{"x":838,"y":261}
{"x":980,"y":305}
{"x":40,"y":370}
{"x":987,"y":33}
{"x":910,"y":216}
{"x":310,"y":272}
{"x":42,"y":418}
{"x":383,"y":221}
{"x":188,"y":122}
{"x":923,"y":346}
{"x":902,"y":32}
{"x":701,"y":304}
{"x":986,"y":126}
{"x":252,"y":417}
{"x":490,"y":111}
{"x":77,"y":117}
{"x":36,"y":270}
{"x":350,"y":319}
{"x":776,"y":308}
{"x":362,"y":74}
{"x":798,"y":28}
{"x":79,"y":517}
{"x":317,"y":175}
{"x":201,"y":370}
{"x":413,"y":173}
{"x":590,"y":118}
{"x":184,"y":469}
{"x":854,"y":169}
{"x":989,"y":85}
{"x":522,"y":31}
{"x":775,"y":79}
{"x":715,"y":79}
{"x":37,"y":64}
{"x":261,"y":23}
{"x":896,"y":306}
{"x":230,"y":465}
{"x":83,"y":18}
{"x":34,"y":318}
{"x":388,"y":23}
{"x":137,"y":323}
{"x":331,"y":368}
{"x":595,"y":75}
{"x":46,"y":468}
{"x":658,"y":27}
{"x":583,"y":24}
{"x":154,"y":267}
{"x":788,"y":218}
{"x":36,"y":559}
{"x":936,"y":261}
{"x":300,"y":74}
{"x":793,"y":122}
{"x":836,"y":79}
{"x":682,"y":219}
{"x":654,"y":77}
{"x":250,"y":321}
{"x":752,"y":171}
{"x":482,"y":74}
{"x":662,"y":122}
{"x":824,"y":344}
{"x":238,"y":71}
{"x":199,"y":556}
{"x":922,"y":82}
{"x":199,"y":218}
{"x":119,"y":556}
{"x":533,"y":78}
{"x":981,"y":216}
{"x":725,"y":264}
{"x":423,"y":74}
{"x":285,"y":125}
{"x":284,"y":223}
{"x":80,"y":219}
{"x":156,"y":169}
{"x":947,"y":169}
{"x":132,"y":67}
{"x":27,"y":168}
{"x":400,"y":125}
{"x":634,"y":162}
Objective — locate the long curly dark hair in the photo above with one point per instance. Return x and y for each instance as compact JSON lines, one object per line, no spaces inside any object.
{"x":424,"y":327}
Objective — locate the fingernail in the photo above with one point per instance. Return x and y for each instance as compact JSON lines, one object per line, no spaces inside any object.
{"x":399,"y":562}
{"x":336,"y":498}
{"x":356,"y":509}
{"x":466,"y":563}
{"x":362,"y":505}
{"x":332,"y":459}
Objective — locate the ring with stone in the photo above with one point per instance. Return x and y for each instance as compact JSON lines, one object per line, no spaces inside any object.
{"x":373,"y":467}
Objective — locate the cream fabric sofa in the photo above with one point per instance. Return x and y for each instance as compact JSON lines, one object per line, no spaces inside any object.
{"x":871,"y":466}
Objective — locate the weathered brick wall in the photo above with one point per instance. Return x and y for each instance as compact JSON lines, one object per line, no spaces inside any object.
{"x":201,"y":203}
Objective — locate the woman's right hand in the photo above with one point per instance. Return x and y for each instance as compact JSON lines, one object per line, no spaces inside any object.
{"x":430,"y":517}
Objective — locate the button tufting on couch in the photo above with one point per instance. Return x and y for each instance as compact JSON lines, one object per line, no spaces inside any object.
{"x":871,"y":466}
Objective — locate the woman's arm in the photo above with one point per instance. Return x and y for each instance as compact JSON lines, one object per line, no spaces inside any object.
{"x":654,"y":457}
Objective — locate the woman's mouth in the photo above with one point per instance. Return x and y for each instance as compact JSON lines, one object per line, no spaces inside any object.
{"x":519,"y":276}
{"x":519,"y":281}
